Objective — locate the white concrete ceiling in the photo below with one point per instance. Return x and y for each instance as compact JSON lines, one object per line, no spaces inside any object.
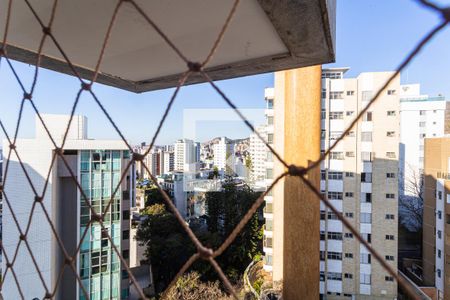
{"x":136,"y":53}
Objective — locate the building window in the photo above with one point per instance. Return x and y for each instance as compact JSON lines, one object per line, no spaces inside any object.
{"x":388,"y":278}
{"x":350,"y":154}
{"x":364,"y":278}
{"x":348,"y":255}
{"x":440,"y":195}
{"x":334,"y":255}
{"x":348,"y":235}
{"x":336,"y":115}
{"x":365,"y":258}
{"x":350,"y":113}
{"x":439,"y":214}
{"x":269,"y":173}
{"x":125,"y":274}
{"x":332,"y":216}
{"x":323,"y":114}
{"x":322,"y":276}
{"x":390,"y":133}
{"x":390,"y":175}
{"x":349,"y":215}
{"x":439,"y":253}
{"x":390,"y":196}
{"x":269,"y":120}
{"x":389,"y":237}
{"x":422,"y":135}
{"x":269,"y":103}
{"x":334,"y":276}
{"x":366,"y":218}
{"x":323,"y":134}
{"x":391,"y":113}
{"x":334,"y":175}
{"x":366,"y":177}
{"x":334,"y":135}
{"x":126,"y":215}
{"x":337,"y":155}
{"x":349,"y":194}
{"x":439,"y":273}
{"x":334,"y":195}
{"x":439,"y":234}
{"x":367,"y":237}
{"x":349,"y":174}
{"x":323,"y":174}
{"x":126,"y":235}
{"x":422,"y":124}
{"x":389,"y":217}
{"x":366,"y":156}
{"x":336,"y":95}
{"x":322,"y":215}
{"x":126,"y":254}
{"x":268,"y":242}
{"x":334,"y":235}
{"x":391,"y":92}
{"x":351,"y":133}
{"x":366,"y":197}
{"x":350,"y":93}
{"x":348,"y":275}
{"x":367,"y":116}
{"x":366,"y":136}
{"x":270,"y":138}
{"x":422,"y":112}
{"x":390,"y":154}
{"x":268,"y":259}
{"x":389,"y":257}
{"x":366,"y":95}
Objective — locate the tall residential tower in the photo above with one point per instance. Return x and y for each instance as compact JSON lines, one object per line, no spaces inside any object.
{"x":359,"y":177}
{"x":98,"y":166}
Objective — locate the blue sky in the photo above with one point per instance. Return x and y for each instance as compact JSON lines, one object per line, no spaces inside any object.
{"x":372,"y":35}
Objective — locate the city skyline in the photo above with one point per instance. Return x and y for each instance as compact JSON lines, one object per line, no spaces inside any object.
{"x":354,"y":47}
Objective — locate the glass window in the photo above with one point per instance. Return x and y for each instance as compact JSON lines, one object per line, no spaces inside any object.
{"x":365,"y":258}
{"x":366,"y":218}
{"x":366,"y":136}
{"x":336,"y":115}
{"x":364,"y":278}
{"x":367,"y":117}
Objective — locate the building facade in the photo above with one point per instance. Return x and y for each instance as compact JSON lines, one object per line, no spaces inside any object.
{"x":184,"y":155}
{"x":436,"y":215}
{"x":258,"y":153}
{"x":168,"y":161}
{"x":359,"y":177}
{"x":98,"y":166}
{"x":224,"y":156}
{"x":421,"y":117}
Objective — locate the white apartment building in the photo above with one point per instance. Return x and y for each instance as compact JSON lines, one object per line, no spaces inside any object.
{"x":258,"y":154}
{"x":264,"y":161}
{"x":184,"y":155}
{"x":359,"y":177}
{"x":224,"y":156}
{"x":168,"y":162}
{"x":421,"y":117}
{"x":98,"y":166}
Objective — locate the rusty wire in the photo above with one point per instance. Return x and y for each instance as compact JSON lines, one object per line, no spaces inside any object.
{"x":97,"y":217}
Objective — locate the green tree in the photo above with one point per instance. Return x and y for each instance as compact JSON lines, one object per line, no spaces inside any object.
{"x":225,"y":209}
{"x":153,"y":196}
{"x":168,"y":246}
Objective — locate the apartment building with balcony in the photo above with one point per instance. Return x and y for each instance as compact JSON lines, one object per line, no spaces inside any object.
{"x":436,"y":215}
{"x":97,"y":166}
{"x":359,"y":177}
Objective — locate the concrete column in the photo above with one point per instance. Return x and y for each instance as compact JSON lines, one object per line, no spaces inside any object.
{"x":301,"y":251}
